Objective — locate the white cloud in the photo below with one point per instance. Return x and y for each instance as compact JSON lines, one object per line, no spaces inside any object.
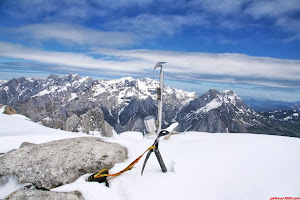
{"x":276,"y":8}
{"x":281,"y":11}
{"x":75,"y":34}
{"x":150,"y":26}
{"x":218,"y":6}
{"x":67,"y":60}
{"x":68,"y":10}
{"x":222,"y":64}
{"x":188,"y":66}
{"x":149,"y":18}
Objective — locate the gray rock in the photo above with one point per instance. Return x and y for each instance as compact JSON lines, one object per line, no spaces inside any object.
{"x":93,"y":120}
{"x":72,"y":123}
{"x":25,"y":144}
{"x":44,"y":195}
{"x":55,"y":163}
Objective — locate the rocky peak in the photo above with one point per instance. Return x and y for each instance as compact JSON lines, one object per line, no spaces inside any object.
{"x":216,"y":111}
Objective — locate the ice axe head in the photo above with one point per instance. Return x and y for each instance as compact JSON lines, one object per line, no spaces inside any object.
{"x":163,"y":133}
{"x":159,"y":65}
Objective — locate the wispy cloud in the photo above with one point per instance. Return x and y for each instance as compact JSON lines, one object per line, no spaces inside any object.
{"x":67,"y":60}
{"x":284,"y":13}
{"x":189,"y":66}
{"x":150,"y":19}
{"x":150,"y":26}
{"x":74,"y":34}
{"x":224,"y":64}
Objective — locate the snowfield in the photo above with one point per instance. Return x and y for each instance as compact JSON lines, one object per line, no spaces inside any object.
{"x":200,"y":165}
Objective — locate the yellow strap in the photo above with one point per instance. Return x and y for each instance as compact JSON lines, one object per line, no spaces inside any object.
{"x":129,"y":167}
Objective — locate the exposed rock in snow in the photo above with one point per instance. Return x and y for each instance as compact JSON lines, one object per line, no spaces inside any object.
{"x":7,"y":110}
{"x":45,"y":195}
{"x":59,"y":162}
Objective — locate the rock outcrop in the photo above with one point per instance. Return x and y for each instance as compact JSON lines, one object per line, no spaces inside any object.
{"x":55,"y":163}
{"x":89,"y":122}
{"x":44,"y":195}
{"x":7,"y":110}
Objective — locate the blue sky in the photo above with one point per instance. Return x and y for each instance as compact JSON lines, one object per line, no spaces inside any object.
{"x":251,"y":47}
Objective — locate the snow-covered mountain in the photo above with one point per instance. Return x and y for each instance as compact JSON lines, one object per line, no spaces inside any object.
{"x":2,"y":81}
{"x":217,"y":111}
{"x":284,"y":116}
{"x":225,"y":111}
{"x":60,"y":101}
{"x":290,"y":119}
{"x":82,"y":104}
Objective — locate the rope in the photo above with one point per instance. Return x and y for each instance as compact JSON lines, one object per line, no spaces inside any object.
{"x":129,"y":167}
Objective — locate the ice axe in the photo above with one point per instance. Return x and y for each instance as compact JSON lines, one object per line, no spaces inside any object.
{"x":156,"y":150}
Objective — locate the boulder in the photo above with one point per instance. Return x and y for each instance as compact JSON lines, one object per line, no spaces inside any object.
{"x":55,"y":163}
{"x":8,"y":110}
{"x":45,"y":195}
{"x":24,"y":144}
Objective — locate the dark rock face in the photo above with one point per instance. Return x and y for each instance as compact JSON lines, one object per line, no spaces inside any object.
{"x":286,"y":118}
{"x":45,"y":195}
{"x":55,"y":163}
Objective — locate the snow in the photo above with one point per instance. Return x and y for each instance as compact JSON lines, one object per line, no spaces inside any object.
{"x":73,"y":96}
{"x":296,"y":114}
{"x":203,"y":166}
{"x":287,"y":118}
{"x":230,"y":97}
{"x":11,"y":186}
{"x":44,"y":92}
{"x":127,"y":87}
{"x":98,"y":89}
{"x":215,"y":103}
{"x":15,"y":129}
{"x":2,"y":108}
{"x":2,"y":81}
{"x":200,"y":165}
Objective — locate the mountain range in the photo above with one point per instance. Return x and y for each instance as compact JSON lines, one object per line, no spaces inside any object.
{"x":265,"y":105}
{"x":81,"y":104}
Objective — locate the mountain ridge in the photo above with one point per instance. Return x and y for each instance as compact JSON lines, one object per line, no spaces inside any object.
{"x":65,"y":101}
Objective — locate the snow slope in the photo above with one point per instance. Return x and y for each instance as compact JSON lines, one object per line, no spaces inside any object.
{"x":15,"y":129}
{"x":200,"y":165}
